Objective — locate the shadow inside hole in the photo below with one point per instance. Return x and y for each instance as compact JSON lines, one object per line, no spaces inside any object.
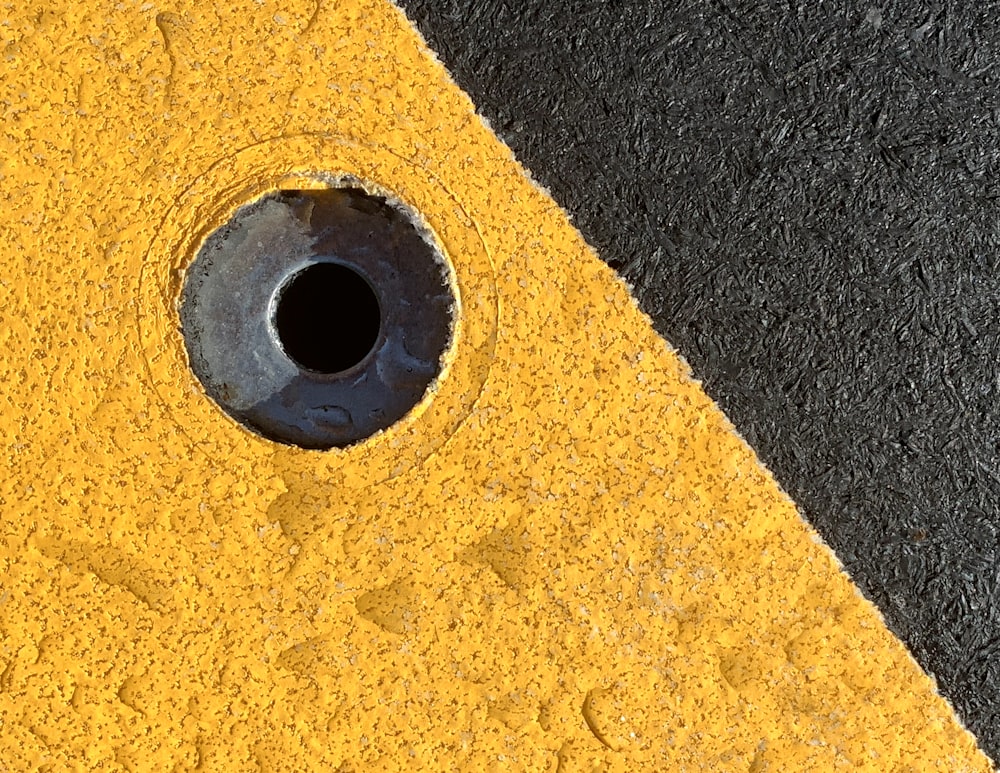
{"x":327,"y":318}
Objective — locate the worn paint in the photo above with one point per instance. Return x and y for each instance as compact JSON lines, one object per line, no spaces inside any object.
{"x":563,"y":559}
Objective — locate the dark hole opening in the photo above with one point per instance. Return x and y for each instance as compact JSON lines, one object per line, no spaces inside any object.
{"x":328,"y":318}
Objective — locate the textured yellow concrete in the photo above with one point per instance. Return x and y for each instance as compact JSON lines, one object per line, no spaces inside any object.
{"x":565,"y":560}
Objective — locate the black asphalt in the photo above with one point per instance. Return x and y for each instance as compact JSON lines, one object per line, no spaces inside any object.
{"x":805,"y":199}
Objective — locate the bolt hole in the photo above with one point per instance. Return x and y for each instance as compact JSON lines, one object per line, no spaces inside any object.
{"x":327,"y":318}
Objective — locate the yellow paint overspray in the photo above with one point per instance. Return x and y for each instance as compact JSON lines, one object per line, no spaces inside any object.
{"x":565,"y":560}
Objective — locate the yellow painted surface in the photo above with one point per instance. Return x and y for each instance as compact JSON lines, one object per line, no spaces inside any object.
{"x":566,"y":560}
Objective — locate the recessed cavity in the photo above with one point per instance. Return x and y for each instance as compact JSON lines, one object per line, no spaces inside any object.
{"x":318,"y":317}
{"x":327,"y":318}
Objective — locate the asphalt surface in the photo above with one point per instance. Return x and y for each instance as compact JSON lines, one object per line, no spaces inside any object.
{"x":804,"y":199}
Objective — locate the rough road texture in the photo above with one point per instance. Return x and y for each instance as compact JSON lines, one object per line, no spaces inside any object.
{"x":563,"y":558}
{"x":805,"y":202}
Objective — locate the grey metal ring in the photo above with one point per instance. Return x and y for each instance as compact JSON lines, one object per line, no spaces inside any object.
{"x":233,"y":295}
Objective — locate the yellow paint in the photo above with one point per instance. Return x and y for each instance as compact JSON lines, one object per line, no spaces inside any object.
{"x":566,"y":560}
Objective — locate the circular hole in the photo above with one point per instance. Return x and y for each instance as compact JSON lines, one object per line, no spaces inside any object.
{"x":317,"y":317}
{"x":327,"y":318}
